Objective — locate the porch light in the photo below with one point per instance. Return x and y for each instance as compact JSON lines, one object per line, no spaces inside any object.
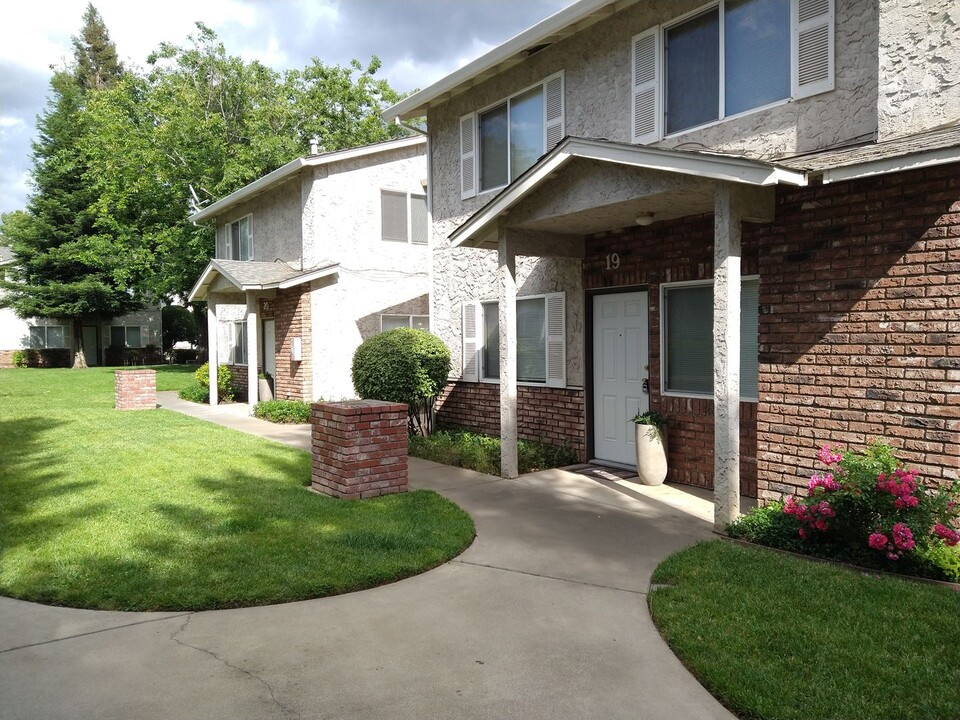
{"x":645,"y":218}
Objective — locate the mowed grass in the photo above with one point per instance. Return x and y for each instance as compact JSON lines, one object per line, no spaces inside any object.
{"x":779,"y":637}
{"x":152,"y":510}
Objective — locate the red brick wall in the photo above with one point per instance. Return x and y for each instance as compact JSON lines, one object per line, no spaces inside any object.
{"x":359,"y":448}
{"x":549,"y":415}
{"x":294,"y":380}
{"x":238,"y":381}
{"x":860,"y":324}
{"x":675,"y":251}
{"x":135,"y":389}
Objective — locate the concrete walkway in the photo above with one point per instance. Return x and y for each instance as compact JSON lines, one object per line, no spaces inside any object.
{"x":544,"y":616}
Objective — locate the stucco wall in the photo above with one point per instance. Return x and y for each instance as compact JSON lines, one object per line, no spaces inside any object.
{"x":275,"y":223}
{"x":919,"y":65}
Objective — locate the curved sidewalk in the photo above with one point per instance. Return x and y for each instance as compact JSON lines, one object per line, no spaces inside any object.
{"x":544,"y":616}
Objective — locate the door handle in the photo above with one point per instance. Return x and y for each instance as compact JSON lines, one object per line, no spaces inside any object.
{"x":646,"y":385}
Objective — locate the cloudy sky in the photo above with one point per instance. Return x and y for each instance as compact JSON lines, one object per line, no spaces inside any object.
{"x":418,"y":41}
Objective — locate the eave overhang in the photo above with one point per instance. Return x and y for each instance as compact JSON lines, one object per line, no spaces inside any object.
{"x":214,"y":269}
{"x":479,"y":229}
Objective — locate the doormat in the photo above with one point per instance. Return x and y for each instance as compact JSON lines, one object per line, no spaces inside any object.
{"x":601,"y":472}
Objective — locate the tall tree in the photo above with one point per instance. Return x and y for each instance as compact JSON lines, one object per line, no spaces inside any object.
{"x":66,"y":266}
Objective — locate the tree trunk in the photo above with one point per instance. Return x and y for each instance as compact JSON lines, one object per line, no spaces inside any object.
{"x":79,"y":359}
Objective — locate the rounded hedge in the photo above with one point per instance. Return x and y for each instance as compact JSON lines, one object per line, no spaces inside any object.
{"x":401,"y":365}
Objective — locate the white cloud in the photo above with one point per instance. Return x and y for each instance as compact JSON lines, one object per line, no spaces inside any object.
{"x":9,"y":122}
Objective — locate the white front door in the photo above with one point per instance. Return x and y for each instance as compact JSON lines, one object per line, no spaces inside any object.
{"x":620,"y":368}
{"x":270,"y":348}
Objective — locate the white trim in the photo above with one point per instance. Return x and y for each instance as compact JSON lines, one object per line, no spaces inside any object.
{"x":473,"y":233}
{"x":229,"y":231}
{"x":568,"y":21}
{"x":885,"y":166}
{"x":663,"y":339}
{"x":198,"y":292}
{"x":294,"y":166}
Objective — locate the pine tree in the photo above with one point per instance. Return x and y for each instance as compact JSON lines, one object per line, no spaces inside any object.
{"x":65,"y":266}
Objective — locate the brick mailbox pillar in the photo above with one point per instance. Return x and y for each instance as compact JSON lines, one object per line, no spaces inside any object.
{"x":359,"y":448}
{"x":136,"y":389}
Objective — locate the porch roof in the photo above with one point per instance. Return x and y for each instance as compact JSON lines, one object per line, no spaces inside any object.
{"x":246,"y":275}
{"x":480,"y":229}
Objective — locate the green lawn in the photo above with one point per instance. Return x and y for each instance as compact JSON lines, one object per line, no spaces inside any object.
{"x":150,"y":510}
{"x":778,"y":637}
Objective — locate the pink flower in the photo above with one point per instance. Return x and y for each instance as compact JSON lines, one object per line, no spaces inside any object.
{"x":822,"y":481}
{"x":893,"y":556}
{"x":908,"y":501}
{"x":903,"y":537}
{"x":829,"y":456}
{"x":878,"y":541}
{"x":949,"y":537}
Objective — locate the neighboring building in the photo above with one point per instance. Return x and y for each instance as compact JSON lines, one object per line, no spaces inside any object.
{"x":133,"y":338}
{"x":744,"y":214}
{"x":314,"y":258}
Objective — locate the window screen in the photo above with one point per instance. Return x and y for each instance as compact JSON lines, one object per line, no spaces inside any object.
{"x":393,"y":207}
{"x":756,"y":53}
{"x":693,"y":72}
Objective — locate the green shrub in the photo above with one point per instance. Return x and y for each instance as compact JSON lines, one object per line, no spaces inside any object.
{"x":475,"y":451}
{"x":224,"y":379}
{"x":867,"y":509}
{"x":195,"y":393}
{"x":20,"y":358}
{"x":403,"y":366}
{"x":283,"y":411}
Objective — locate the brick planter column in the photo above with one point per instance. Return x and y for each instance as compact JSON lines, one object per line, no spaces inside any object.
{"x":135,"y":389}
{"x":359,"y":448}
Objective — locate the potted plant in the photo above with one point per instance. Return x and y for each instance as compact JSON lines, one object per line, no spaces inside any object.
{"x":265,"y":386}
{"x":651,"y":429}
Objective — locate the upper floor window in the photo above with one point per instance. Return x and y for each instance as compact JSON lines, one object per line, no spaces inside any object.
{"x":403,"y":217}
{"x":47,"y":336}
{"x":126,"y":336}
{"x":240,"y":240}
{"x":733,"y":57}
{"x":500,"y":143}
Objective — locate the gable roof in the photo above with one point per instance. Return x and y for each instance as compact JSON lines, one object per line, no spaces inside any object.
{"x":294,"y":166}
{"x":562,"y":24}
{"x":476,"y":230}
{"x":252,"y":275}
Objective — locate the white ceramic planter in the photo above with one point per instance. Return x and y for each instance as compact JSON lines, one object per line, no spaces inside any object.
{"x":651,"y":454}
{"x":265,"y":389}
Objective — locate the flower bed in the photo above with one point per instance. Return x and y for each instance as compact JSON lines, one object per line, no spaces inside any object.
{"x":867,"y":509}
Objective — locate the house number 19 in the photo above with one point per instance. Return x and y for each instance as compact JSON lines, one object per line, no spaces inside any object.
{"x":613,"y":261}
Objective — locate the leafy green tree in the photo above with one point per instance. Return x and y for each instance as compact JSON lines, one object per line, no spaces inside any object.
{"x":66,"y":266}
{"x":179,"y":324}
{"x":95,"y":54}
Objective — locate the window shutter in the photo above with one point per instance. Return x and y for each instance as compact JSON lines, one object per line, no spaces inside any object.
{"x":468,"y":156}
{"x":419,"y":234}
{"x":812,"y":47}
{"x":646,"y":86}
{"x":553,"y":112}
{"x":556,"y":340}
{"x":471,"y":333}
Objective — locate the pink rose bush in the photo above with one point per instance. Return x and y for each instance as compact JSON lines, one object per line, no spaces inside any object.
{"x":869,"y":509}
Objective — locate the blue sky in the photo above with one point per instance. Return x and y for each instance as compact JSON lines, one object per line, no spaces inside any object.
{"x":418,"y":41}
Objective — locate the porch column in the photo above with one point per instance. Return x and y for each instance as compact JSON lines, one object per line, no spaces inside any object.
{"x":726,"y":356}
{"x":508,"y":357}
{"x":253,"y":381}
{"x":213,"y":342}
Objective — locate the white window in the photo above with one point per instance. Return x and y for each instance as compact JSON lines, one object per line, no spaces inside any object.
{"x":126,"y":336}
{"x":392,"y":322}
{"x":47,"y":336}
{"x":687,"y":327}
{"x":541,"y":340}
{"x":238,"y":351}
{"x":240,"y":240}
{"x":403,"y":217}
{"x":500,"y":143}
{"x":732,"y":57}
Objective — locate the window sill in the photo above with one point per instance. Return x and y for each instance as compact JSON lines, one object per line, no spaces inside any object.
{"x":701,"y":396}
{"x":728,"y":118}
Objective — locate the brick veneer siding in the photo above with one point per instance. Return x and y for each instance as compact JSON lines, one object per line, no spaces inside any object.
{"x":45,"y":358}
{"x":860,"y":324}
{"x":238,"y":381}
{"x":294,"y":380}
{"x":674,"y":251}
{"x":549,"y":415}
{"x":359,"y":448}
{"x":135,"y":389}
